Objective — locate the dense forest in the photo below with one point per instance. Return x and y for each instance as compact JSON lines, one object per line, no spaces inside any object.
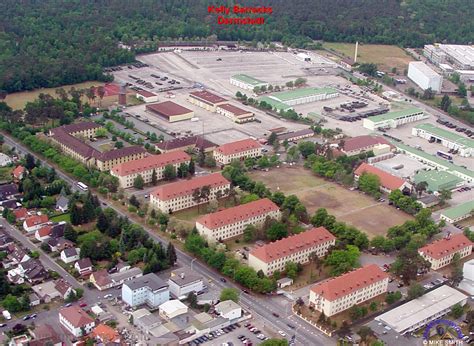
{"x":55,"y":42}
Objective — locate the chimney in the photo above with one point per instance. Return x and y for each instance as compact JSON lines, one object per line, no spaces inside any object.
{"x":355,"y":53}
{"x":182,"y":275}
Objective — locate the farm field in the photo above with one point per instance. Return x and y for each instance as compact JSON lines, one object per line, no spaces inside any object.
{"x":385,"y":56}
{"x":351,"y":207}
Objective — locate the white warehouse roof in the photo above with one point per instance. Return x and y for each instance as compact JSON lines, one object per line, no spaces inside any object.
{"x":422,"y":67}
{"x":421,"y":309}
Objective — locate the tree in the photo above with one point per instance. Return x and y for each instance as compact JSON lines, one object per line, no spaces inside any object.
{"x":29,"y":162}
{"x":444,"y":196}
{"x":70,"y":233}
{"x":154,"y":178}
{"x":229,"y":294}
{"x":134,"y":201}
{"x":118,"y":145}
{"x":138,"y":182}
{"x":274,"y":342}
{"x":462,"y":90}
{"x":192,"y":299}
{"x":415,"y":290}
{"x":456,"y":270}
{"x":369,"y":183}
{"x":192,"y":167}
{"x":457,"y":311}
{"x":272,"y":138}
{"x":276,"y":231}
{"x":289,"y":84}
{"x":393,"y":297}
{"x":171,"y":254}
{"x":102,"y":222}
{"x":342,"y":261}
{"x":291,"y":269}
{"x":249,"y":233}
{"x":210,"y":161}
{"x":169,"y":172}
{"x":421,"y":187}
{"x":445,"y":103}
{"x":306,"y":148}
{"x":364,"y":332}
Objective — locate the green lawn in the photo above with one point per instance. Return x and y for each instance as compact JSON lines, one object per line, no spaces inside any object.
{"x":62,"y":217}
{"x":6,"y":173}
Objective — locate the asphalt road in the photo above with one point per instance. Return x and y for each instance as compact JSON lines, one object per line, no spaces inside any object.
{"x":260,"y":306}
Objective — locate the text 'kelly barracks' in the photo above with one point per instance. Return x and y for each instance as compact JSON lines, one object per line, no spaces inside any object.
{"x":225,"y":10}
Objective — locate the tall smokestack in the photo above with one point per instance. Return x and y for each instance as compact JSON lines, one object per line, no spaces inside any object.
{"x":123,"y":95}
{"x":355,"y":54}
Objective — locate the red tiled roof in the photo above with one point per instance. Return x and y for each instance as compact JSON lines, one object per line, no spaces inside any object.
{"x":185,"y":142}
{"x":77,"y":127}
{"x":294,"y":243}
{"x":36,"y":220}
{"x":44,"y":231}
{"x":145,"y":93}
{"x":238,"y":213}
{"x":62,"y":286}
{"x":168,"y":109}
{"x":76,"y":316}
{"x":234,"y":109}
{"x":18,"y":171}
{"x":122,"y":152}
{"x":347,"y":283}
{"x":20,"y":213}
{"x":387,"y":180}
{"x":102,"y":278}
{"x":443,"y":247}
{"x":150,"y":162}
{"x":360,"y":142}
{"x":238,"y":146}
{"x":186,"y":187}
{"x":106,"y":334}
{"x":207,"y":97}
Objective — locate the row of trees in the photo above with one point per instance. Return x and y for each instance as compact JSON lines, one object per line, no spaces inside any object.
{"x":290,"y":84}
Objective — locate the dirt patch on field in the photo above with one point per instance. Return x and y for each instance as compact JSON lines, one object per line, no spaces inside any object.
{"x":352,"y":207}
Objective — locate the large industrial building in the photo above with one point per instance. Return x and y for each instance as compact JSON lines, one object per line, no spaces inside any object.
{"x":181,"y":194}
{"x":438,"y":181}
{"x":394,"y":119}
{"x":247,"y":82}
{"x":449,"y":139}
{"x":236,"y":114}
{"x":440,"y":253}
{"x":304,"y":95}
{"x":170,"y":111}
{"x":297,"y":248}
{"x":128,"y":171}
{"x":461,"y":57}
{"x":238,"y":150}
{"x":436,"y":162}
{"x":206,"y":99}
{"x":424,"y":76}
{"x":231,"y":222}
{"x":458,"y":213}
{"x":341,"y":293}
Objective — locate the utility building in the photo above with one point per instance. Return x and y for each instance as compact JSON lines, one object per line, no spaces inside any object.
{"x":424,"y":76}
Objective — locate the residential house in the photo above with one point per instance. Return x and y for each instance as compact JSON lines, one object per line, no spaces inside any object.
{"x":31,"y":271}
{"x":45,"y":335}
{"x":183,"y":281}
{"x":46,"y":291}
{"x":15,"y":256}
{"x":84,"y":266}
{"x":148,"y":289}
{"x":62,"y":204}
{"x":76,"y":321}
{"x":34,"y":222}
{"x":53,"y":230}
{"x":106,"y":335}
{"x":20,"y":214}
{"x":64,"y":288}
{"x":18,"y":173}
{"x":70,"y":255}
{"x":101,"y":280}
{"x":8,"y":191}
{"x":35,"y":300}
{"x":59,"y":244}
{"x":5,"y":240}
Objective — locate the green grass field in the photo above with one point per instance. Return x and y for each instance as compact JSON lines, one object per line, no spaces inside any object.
{"x":6,"y":173}
{"x":385,"y":56}
{"x":63,"y":217}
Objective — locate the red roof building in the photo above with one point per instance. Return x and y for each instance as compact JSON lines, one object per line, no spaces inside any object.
{"x":238,"y":150}
{"x":20,"y":214}
{"x":179,"y":195}
{"x":128,"y":171}
{"x":35,"y":222}
{"x":341,"y":293}
{"x":170,"y":111}
{"x":296,"y":248}
{"x":235,"y":113}
{"x":231,"y":222}
{"x":207,"y":97}
{"x":18,"y":172}
{"x":441,"y":252}
{"x":388,"y":182}
{"x":360,"y":144}
{"x":75,"y":320}
{"x":106,"y":334}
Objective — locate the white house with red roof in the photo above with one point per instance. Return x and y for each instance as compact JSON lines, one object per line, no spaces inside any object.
{"x":360,"y":144}
{"x":297,"y":248}
{"x":76,"y":321}
{"x":84,"y":266}
{"x":180,"y":195}
{"x":147,"y":96}
{"x":35,"y":222}
{"x":20,"y":214}
{"x":341,"y":293}
{"x":231,"y":222}
{"x":388,"y":182}
{"x":238,"y":150}
{"x":127,"y":172}
{"x":440,"y":253}
{"x":18,"y":173}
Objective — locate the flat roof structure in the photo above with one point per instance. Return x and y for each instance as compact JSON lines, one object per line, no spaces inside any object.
{"x":418,"y":312}
{"x":207,"y":97}
{"x":168,"y":109}
{"x":151,"y":280}
{"x":446,"y":135}
{"x":234,"y":109}
{"x":437,"y":180}
{"x":248,"y":79}
{"x":296,"y":134}
{"x":280,"y":106}
{"x":146,"y":93}
{"x":284,"y":96}
{"x":395,"y":115}
{"x":458,"y":211}
{"x":425,"y":69}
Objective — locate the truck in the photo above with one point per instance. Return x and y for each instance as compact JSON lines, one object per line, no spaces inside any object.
{"x":6,"y":314}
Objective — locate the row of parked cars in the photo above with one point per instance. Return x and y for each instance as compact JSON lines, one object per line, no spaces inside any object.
{"x":467,"y":132}
{"x":213,"y":335}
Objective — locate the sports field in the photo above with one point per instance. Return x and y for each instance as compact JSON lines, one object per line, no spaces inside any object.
{"x":385,"y":56}
{"x":351,"y":207}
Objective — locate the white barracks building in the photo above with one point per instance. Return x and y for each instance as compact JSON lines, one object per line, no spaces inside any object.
{"x":349,"y":289}
{"x":231,"y":222}
{"x":296,"y":248}
{"x":238,"y":150}
{"x":180,"y":195}
{"x":441,"y":252}
{"x":127,"y":172}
